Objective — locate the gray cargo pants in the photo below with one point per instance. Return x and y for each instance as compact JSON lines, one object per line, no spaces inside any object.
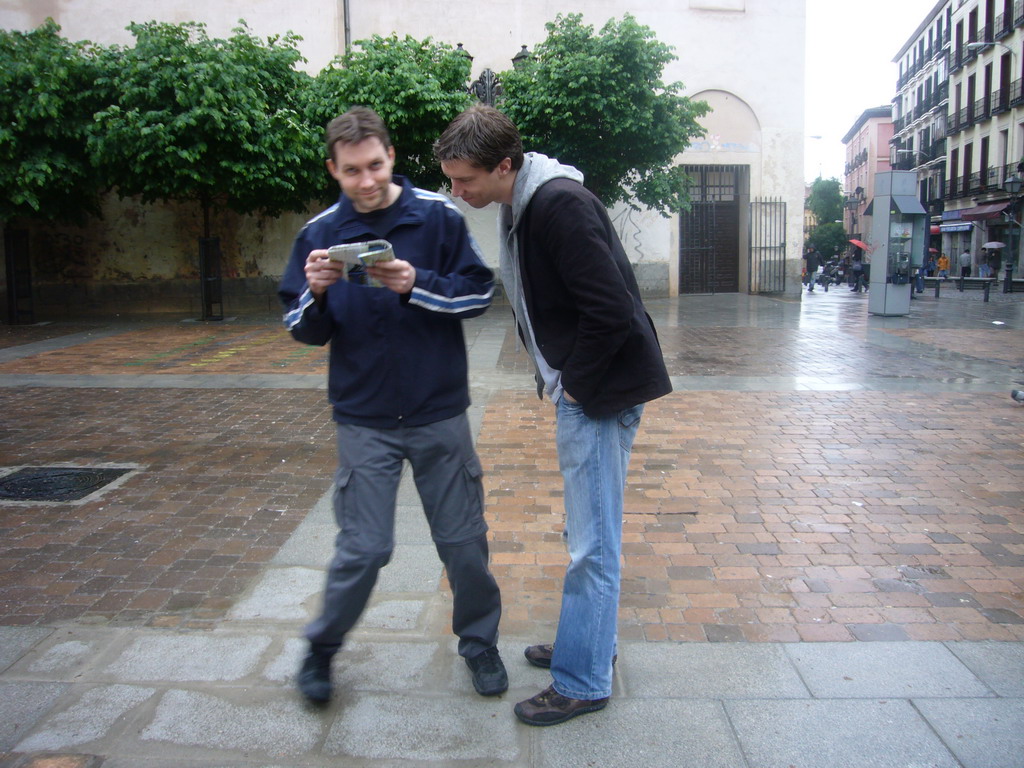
{"x":447,"y":474}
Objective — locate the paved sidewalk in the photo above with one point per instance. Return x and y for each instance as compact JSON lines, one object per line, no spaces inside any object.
{"x":824,"y":557}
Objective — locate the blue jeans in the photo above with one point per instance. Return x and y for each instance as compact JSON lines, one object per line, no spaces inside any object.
{"x":593,"y":455}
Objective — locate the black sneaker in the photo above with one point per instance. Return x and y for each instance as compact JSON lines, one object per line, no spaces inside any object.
{"x":314,"y":679}
{"x":489,"y":676}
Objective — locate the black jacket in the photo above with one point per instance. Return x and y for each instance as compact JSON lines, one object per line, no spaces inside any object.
{"x":584,"y":303}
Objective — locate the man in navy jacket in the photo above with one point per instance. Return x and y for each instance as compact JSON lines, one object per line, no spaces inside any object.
{"x":578,"y":308}
{"x":398,"y":387}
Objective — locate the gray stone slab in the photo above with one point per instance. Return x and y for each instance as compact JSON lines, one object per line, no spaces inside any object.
{"x":179,"y":658}
{"x":62,"y":658}
{"x":16,"y":641}
{"x":283,"y":666}
{"x":703,"y":670}
{"x":393,"y":614}
{"x":413,"y":568}
{"x":408,"y":496}
{"x":90,"y":719}
{"x":999,"y":665}
{"x":836,"y":734}
{"x":22,"y":705}
{"x":428,"y":729}
{"x":277,"y":727}
{"x":410,"y":523}
{"x":982,"y":733}
{"x":374,"y":666}
{"x":282,"y":594}
{"x":312,"y":542}
{"x":365,"y":665}
{"x":636,"y":733}
{"x":876,"y":670}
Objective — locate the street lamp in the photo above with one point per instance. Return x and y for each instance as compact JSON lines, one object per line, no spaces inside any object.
{"x":1012,"y":185}
{"x":985,"y":43}
{"x":911,"y":152}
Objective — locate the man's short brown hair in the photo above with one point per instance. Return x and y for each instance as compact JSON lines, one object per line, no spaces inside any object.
{"x":356,"y":125}
{"x":483,"y":137}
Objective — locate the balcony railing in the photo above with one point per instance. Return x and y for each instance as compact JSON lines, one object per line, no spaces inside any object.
{"x":989,"y":180}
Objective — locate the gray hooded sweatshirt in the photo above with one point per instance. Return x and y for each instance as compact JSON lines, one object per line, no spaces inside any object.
{"x":537,"y":170}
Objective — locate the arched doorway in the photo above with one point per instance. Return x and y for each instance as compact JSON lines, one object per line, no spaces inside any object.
{"x":714,"y":239}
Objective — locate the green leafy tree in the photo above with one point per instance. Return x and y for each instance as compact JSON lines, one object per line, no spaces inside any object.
{"x":213,"y":121}
{"x":829,"y":239}
{"x":826,"y":201}
{"x":597,"y":101}
{"x":416,"y":86}
{"x":47,"y":99}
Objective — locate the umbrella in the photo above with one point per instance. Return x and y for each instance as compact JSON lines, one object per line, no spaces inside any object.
{"x":933,"y":250}
{"x":860,"y":244}
{"x":994,"y":244}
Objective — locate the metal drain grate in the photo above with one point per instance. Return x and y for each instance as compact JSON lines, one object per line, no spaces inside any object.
{"x":57,"y":483}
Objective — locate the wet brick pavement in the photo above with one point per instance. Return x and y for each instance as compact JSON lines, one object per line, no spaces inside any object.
{"x":817,"y":474}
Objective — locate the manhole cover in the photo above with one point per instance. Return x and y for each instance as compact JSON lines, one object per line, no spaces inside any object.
{"x":56,"y":483}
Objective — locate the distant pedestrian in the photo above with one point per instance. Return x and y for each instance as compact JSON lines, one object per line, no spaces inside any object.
{"x":984,"y":269}
{"x":857,"y":270}
{"x":965,"y":263}
{"x":943,"y":266}
{"x":812,"y":260}
{"x":995,"y":261}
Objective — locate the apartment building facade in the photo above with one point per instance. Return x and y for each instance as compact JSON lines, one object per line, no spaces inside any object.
{"x":867,"y":153}
{"x":984,"y":131}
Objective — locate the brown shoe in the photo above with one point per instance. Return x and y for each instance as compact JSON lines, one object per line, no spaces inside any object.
{"x":549,"y":707}
{"x":540,"y":655}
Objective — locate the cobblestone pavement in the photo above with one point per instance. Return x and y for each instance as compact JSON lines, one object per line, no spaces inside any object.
{"x":826,"y":504}
{"x":818,"y":474}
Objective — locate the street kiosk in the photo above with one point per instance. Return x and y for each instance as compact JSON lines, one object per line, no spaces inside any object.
{"x":898,"y":227}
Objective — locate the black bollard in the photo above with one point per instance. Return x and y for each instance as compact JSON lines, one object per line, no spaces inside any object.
{"x":937,"y":284}
{"x":1007,"y":281}
{"x":988,"y":285}
{"x":960,"y":284}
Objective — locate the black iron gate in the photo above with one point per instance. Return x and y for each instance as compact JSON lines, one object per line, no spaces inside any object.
{"x":767,"y":262}
{"x":709,"y":233}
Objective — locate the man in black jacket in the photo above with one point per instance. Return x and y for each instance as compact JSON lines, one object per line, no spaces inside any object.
{"x":578,"y":310}
{"x":812,"y":261}
{"x":398,"y":389}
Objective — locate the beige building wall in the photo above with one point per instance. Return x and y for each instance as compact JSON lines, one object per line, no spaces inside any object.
{"x":756,"y":91}
{"x":319,"y":22}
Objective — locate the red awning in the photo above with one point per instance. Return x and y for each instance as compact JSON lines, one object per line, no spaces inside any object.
{"x":982,"y":212}
{"x":935,"y":230}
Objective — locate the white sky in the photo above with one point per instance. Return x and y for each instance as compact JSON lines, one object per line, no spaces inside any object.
{"x":849,"y":68}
